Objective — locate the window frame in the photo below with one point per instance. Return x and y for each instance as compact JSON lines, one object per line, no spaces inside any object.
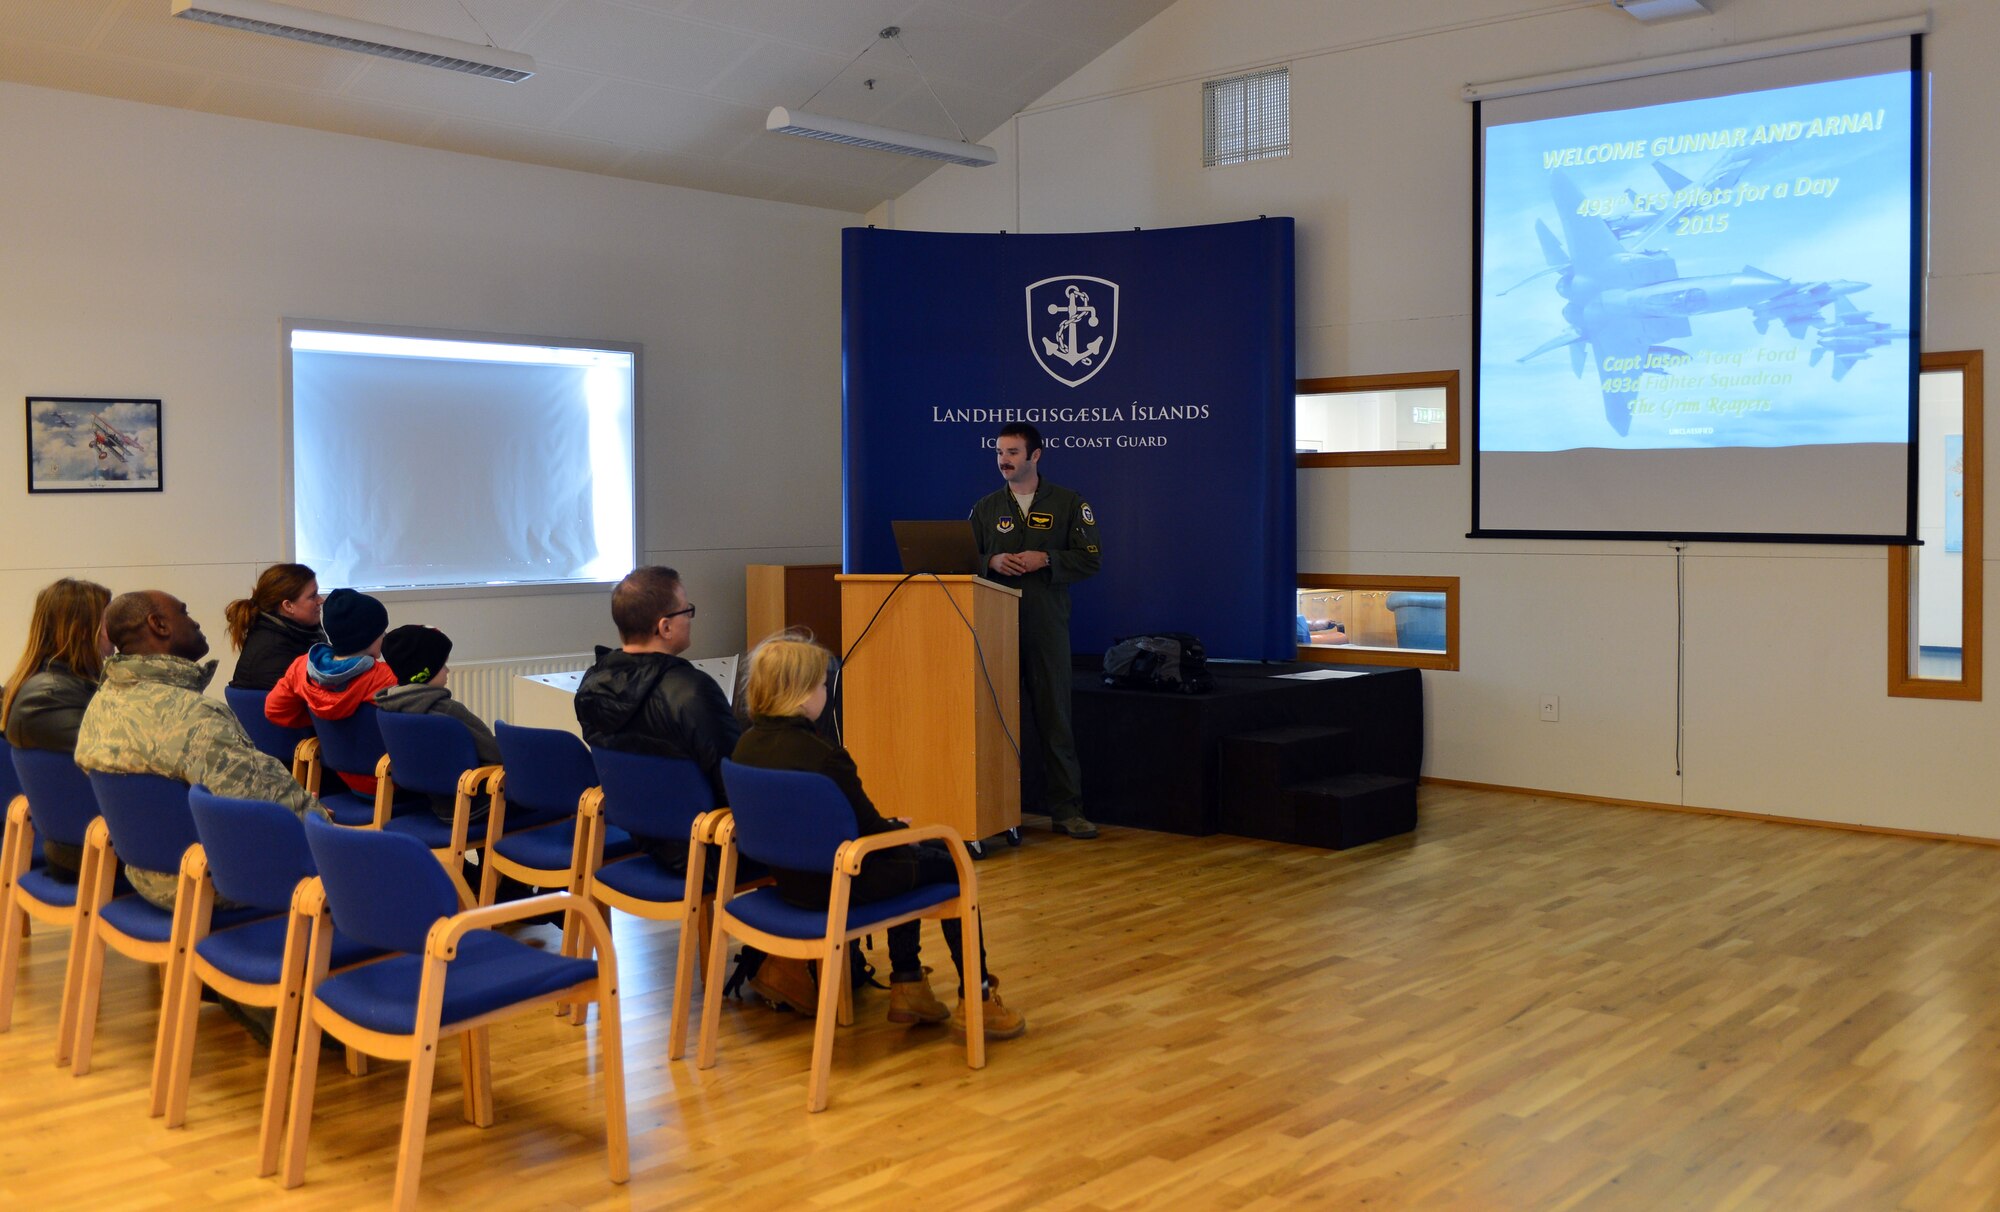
{"x":287,"y":488}
{"x":1407,"y":658}
{"x":1416,"y":379}
{"x":1970,"y":363}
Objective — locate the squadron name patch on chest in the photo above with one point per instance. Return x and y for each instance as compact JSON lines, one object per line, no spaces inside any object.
{"x":1041,"y":521}
{"x":1004,"y":525}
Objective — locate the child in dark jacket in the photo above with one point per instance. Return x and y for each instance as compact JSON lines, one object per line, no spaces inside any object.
{"x":419,"y":655}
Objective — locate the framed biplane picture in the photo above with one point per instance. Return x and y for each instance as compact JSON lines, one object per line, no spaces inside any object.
{"x":93,"y":444}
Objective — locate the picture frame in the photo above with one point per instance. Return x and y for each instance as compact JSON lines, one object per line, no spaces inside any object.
{"x":94,"y":444}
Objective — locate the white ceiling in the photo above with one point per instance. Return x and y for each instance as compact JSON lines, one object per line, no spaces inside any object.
{"x":673,"y":91}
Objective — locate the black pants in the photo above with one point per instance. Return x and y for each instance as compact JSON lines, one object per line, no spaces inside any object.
{"x":888,"y":873}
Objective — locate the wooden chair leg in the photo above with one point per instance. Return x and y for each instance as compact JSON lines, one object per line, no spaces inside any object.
{"x":356,"y":1063}
{"x":832,"y":976}
{"x":684,"y":965}
{"x":80,"y":928}
{"x":284,"y":1055}
{"x":711,"y":998}
{"x":180,"y":1047}
{"x":975,"y":991}
{"x":10,"y":952}
{"x":846,"y":993}
{"x":88,"y":989}
{"x":475,"y":1057}
{"x":611,"y":1062}
{"x":416,"y":1122}
{"x":305,"y":1076}
{"x":165,"y":1033}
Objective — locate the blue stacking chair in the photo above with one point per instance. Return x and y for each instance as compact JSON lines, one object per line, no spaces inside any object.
{"x":54,"y":801}
{"x":145,"y":822}
{"x":654,"y":797}
{"x":353,"y":746}
{"x":253,"y":852}
{"x":533,"y":831}
{"x":802,"y":822}
{"x":275,"y":739}
{"x":433,"y":754}
{"x":454,"y":976}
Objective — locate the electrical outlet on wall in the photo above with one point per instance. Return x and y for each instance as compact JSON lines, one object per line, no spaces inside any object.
{"x":1551,"y":708}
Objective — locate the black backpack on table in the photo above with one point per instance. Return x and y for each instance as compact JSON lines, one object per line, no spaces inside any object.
{"x":1172,"y":661}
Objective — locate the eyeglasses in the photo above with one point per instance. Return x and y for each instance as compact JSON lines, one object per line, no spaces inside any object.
{"x":686,"y":610}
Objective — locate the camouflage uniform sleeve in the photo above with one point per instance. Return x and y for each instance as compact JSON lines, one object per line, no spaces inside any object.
{"x":221,"y":757}
{"x":1078,"y":557}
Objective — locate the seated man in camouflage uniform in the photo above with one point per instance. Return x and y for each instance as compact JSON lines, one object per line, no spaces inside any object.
{"x":150,"y":717}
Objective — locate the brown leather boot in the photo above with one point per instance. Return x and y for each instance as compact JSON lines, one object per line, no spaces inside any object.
{"x":787,"y":983}
{"x":913,"y":1002}
{"x":1000,"y":1021}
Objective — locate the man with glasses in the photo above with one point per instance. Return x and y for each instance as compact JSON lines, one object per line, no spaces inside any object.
{"x":642,"y":697}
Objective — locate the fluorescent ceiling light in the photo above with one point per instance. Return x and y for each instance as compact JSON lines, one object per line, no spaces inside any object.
{"x":1663,"y":10}
{"x":877,"y":138}
{"x":345,"y":33}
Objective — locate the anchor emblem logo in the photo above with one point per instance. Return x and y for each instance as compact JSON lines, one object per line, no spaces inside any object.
{"x":1072,"y":326}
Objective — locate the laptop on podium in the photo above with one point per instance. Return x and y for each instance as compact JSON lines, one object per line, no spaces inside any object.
{"x":946,"y":548}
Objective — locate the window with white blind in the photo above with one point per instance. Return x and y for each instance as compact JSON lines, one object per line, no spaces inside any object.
{"x":1247,"y":117}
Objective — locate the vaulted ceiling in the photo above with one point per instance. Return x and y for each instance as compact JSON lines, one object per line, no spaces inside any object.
{"x":673,"y":91}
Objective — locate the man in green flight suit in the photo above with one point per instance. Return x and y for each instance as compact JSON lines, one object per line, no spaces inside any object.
{"x":1037,"y":537}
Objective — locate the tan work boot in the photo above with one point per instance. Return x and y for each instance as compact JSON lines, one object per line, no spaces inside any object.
{"x":787,"y":983}
{"x":913,"y":1002}
{"x":1001,"y":1022}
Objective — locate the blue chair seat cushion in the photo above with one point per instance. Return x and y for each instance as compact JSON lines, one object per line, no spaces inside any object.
{"x":255,"y":952}
{"x":492,"y":971}
{"x":346,"y":807}
{"x":644,"y":879}
{"x":765,"y":910}
{"x":422,"y":825}
{"x":37,"y":882}
{"x":136,"y":917}
{"x":551,"y":847}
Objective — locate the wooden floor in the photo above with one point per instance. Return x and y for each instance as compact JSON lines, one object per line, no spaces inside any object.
{"x":1531,"y":1004}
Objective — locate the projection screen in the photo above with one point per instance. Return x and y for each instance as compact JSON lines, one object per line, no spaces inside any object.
{"x":1696,"y":307}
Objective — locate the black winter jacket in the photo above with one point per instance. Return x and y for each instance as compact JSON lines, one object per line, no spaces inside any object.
{"x":273,"y":644}
{"x":649,"y":702}
{"x":48,"y":709}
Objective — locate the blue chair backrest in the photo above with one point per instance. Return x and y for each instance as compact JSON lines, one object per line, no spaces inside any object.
{"x":275,"y":739}
{"x":383,"y":889}
{"x":352,"y":745}
{"x":426,"y":752}
{"x":651,"y":796}
{"x":548,"y":769}
{"x":60,"y":801}
{"x":788,"y":818}
{"x":10,"y":783}
{"x":151,"y":826}
{"x":257,"y":851}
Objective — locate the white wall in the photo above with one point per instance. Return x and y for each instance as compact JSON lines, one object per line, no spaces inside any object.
{"x":1786,"y":710}
{"x":152,"y":252}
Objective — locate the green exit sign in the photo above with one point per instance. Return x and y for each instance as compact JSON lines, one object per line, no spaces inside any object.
{"x":1427,"y":416}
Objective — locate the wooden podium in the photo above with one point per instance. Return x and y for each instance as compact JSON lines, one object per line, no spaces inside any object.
{"x":920,"y":716}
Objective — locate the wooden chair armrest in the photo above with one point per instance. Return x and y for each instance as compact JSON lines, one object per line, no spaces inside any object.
{"x":468,"y":783}
{"x":194,"y":863}
{"x":848,"y":858}
{"x":382,"y":767}
{"x":444,"y":936}
{"x":307,"y":751}
{"x":708,"y":823}
{"x":17,"y":812}
{"x":309,"y":898}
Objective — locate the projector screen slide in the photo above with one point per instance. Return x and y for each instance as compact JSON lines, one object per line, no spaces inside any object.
{"x":1696,"y":303}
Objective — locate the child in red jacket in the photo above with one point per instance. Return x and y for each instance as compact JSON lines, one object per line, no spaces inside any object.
{"x":331,"y":680}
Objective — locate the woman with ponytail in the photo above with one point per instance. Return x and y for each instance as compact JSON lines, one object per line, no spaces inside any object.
{"x":58,"y":674}
{"x":275,"y":625}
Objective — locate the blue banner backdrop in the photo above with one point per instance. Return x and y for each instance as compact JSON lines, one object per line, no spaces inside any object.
{"x":1158,"y":367}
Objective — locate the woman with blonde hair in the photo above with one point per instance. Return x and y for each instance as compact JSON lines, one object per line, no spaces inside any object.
{"x":786,"y":693}
{"x":275,"y":625}
{"x":58,"y":673}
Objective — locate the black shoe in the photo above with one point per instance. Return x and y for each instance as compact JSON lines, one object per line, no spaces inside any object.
{"x":257,"y":1020}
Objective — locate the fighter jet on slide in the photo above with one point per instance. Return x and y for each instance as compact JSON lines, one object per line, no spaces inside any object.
{"x":1636,"y":229}
{"x":1626,"y":305}
{"x":61,"y":421}
{"x":1802,"y":306}
{"x":1851,"y":337}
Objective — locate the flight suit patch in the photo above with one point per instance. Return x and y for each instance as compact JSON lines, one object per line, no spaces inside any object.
{"x":1089,"y":518}
{"x":1041,"y":521}
{"x":1004,"y":525}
